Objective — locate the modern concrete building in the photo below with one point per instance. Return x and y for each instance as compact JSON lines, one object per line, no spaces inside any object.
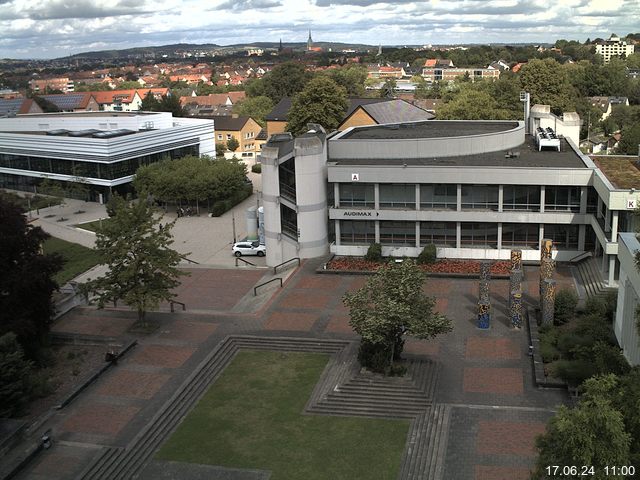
{"x":103,"y":149}
{"x":614,"y":47}
{"x":475,"y":189}
{"x":625,"y":325}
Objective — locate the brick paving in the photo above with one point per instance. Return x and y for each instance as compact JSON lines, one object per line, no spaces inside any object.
{"x":127,"y":383}
{"x":493,"y":380}
{"x":478,"y":368}
{"x":100,"y":418}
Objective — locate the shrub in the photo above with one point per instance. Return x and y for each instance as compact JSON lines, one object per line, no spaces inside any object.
{"x":565,"y":306}
{"x":428,"y":255}
{"x":256,"y":168}
{"x":374,"y":356}
{"x":574,"y":372}
{"x":374,"y":253}
{"x":15,"y":372}
{"x":549,"y":352}
{"x":609,"y":359}
{"x":571,"y":343}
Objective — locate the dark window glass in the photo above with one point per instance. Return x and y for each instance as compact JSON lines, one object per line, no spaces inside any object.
{"x":439,"y":196}
{"x":399,"y":195}
{"x":520,"y":235}
{"x":357,"y":195}
{"x":521,"y":197}
{"x":442,"y":234}
{"x":479,"y":197}
{"x":565,"y":237}
{"x":398,"y":233}
{"x":354,"y":232}
{"x":479,"y":235}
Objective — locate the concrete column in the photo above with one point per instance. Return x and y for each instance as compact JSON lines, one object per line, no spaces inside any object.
{"x":612,"y":271}
{"x":614,"y":226}
{"x":583,"y":199}
{"x":458,"y":235}
{"x":607,"y":221}
{"x":336,"y":195}
{"x":337,"y":230}
{"x":540,"y":234}
{"x":542,"y":200}
{"x":500,"y":202}
{"x":582,"y":234}
{"x":459,"y":198}
{"x":376,"y":196}
{"x":417,"y":234}
{"x":500,"y":236}
{"x":377,"y":231}
{"x":417,"y":196}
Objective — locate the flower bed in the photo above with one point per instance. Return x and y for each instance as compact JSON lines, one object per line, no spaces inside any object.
{"x":443,"y":266}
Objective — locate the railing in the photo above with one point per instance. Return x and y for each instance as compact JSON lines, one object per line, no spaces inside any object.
{"x":184,"y":257}
{"x":295,"y":259}
{"x":172,"y":302}
{"x":238,"y":259}
{"x":582,"y":256}
{"x":255,"y":289}
{"x":288,"y":192}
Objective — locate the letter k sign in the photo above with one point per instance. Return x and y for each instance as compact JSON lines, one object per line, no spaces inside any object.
{"x":631,"y":204}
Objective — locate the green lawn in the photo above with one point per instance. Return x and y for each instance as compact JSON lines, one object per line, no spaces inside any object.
{"x":92,"y":226}
{"x":78,"y":259}
{"x":252,"y":418}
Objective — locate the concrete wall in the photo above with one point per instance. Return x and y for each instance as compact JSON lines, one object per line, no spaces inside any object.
{"x":271,"y":204}
{"x":84,"y":120}
{"x":568,"y":126}
{"x":628,"y":294}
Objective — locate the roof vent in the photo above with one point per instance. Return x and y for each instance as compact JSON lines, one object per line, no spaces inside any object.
{"x":512,"y":154}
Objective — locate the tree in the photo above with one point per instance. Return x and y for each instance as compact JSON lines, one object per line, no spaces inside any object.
{"x":351,"y":78}
{"x":255,"y":107}
{"x":630,"y":141}
{"x":220,"y":149}
{"x":233,"y":144}
{"x":15,"y":371}
{"x":593,"y":433}
{"x":171,"y":103}
{"x":322,"y":101}
{"x":149,"y":103}
{"x":142,"y":268}
{"x":391,"y":304}
{"x":26,"y":283}
{"x":388,"y":89}
{"x":471,"y":104}
{"x":547,"y":82}
{"x":285,"y":80}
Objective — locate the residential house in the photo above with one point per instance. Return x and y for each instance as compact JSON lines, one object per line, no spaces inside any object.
{"x":64,"y":84}
{"x":243,"y":129}
{"x":74,"y":102}
{"x":435,"y":70}
{"x":10,"y":107}
{"x":614,"y":47}
{"x":606,"y":105}
{"x":191,"y":79}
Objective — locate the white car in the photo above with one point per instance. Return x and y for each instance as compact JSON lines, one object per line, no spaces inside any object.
{"x":248,"y":248}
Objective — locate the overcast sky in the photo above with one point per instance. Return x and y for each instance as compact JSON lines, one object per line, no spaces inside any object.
{"x":55,"y":28}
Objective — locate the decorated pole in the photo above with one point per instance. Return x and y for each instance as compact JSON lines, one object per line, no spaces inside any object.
{"x":548,"y":301}
{"x":515,"y":308}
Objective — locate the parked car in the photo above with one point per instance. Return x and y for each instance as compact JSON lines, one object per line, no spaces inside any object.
{"x":249,"y":248}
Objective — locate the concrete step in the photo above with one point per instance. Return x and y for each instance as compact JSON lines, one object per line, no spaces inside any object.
{"x":364,"y":399}
{"x":360,"y":411}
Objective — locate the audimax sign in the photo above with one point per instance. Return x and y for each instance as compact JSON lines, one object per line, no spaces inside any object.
{"x":359,"y":213}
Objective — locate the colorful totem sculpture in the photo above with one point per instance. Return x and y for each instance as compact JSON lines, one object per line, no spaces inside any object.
{"x":516,"y":259}
{"x":547,"y":269}
{"x":484,"y":303}
{"x":515,"y":307}
{"x":548,"y":301}
{"x":545,"y":248}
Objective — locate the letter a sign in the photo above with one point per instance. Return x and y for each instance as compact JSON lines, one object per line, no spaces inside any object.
{"x":355,"y":177}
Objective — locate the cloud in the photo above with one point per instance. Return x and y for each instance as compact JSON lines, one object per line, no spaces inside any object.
{"x":67,"y":9}
{"x":243,"y":5}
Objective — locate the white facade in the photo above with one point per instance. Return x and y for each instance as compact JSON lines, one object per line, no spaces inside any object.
{"x":625,"y":325}
{"x":614,"y":47}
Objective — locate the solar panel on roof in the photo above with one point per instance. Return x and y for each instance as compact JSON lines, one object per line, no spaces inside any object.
{"x":68,"y":101}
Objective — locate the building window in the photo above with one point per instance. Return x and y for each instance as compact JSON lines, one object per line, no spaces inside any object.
{"x":442,"y":234}
{"x":439,"y":196}
{"x":219,"y":136}
{"x":287,"y":176}
{"x":521,"y":197}
{"x":228,"y":136}
{"x":520,"y":235}
{"x":398,"y":233}
{"x":289,"y":222}
{"x":565,"y":237}
{"x":479,"y":197}
{"x":479,"y":235}
{"x":354,"y":232}
{"x":592,"y":200}
{"x":562,"y":199}
{"x":398,"y":196}
{"x":357,"y":195}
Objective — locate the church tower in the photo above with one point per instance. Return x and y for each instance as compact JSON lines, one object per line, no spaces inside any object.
{"x":309,"y":42}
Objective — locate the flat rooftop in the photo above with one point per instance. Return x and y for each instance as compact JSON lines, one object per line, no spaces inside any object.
{"x":85,"y":114}
{"x":622,"y":172}
{"x":525,"y":156}
{"x":429,"y":129}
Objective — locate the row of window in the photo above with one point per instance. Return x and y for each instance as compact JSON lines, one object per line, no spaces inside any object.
{"x":473,"y":197}
{"x":107,"y":171}
{"x":443,"y":234}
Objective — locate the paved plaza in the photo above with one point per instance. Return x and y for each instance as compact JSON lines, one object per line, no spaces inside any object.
{"x":494,"y":411}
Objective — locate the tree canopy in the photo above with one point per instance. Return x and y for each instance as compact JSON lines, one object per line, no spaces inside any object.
{"x":26,"y":283}
{"x":255,"y":107}
{"x":142,"y":268}
{"x":285,"y":80}
{"x":322,"y":101}
{"x":548,"y":83}
{"x":390,"y":304}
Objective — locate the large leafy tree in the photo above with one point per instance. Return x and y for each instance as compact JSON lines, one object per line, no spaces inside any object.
{"x":142,"y":267}
{"x":351,"y":78}
{"x":593,"y":433}
{"x":285,"y":80}
{"x":26,"y":283}
{"x":630,"y":140}
{"x":15,"y":371}
{"x":255,"y":107}
{"x":473,"y":104}
{"x":322,"y":101}
{"x":391,"y":304}
{"x":548,"y":83}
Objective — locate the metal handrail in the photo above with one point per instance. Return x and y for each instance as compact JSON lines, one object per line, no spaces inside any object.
{"x":582,"y":256}
{"x":184,"y":257}
{"x":171,"y":302}
{"x":284,"y":263}
{"x":255,"y":289}
{"x":245,"y":261}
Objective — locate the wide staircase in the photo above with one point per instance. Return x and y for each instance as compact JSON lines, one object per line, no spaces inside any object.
{"x":592,"y":278}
